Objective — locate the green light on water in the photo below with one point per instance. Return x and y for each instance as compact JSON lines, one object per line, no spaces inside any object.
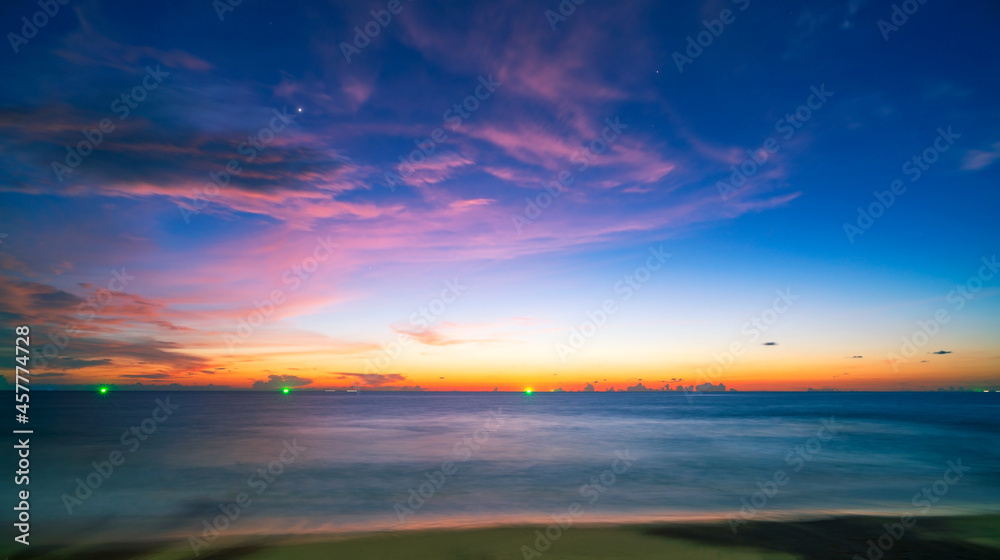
{"x":528,"y":391}
{"x":285,"y":390}
{"x":103,"y":390}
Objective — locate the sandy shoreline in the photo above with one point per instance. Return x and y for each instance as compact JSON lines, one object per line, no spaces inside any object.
{"x":968,"y":537}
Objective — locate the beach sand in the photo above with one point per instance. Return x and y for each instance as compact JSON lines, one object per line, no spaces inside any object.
{"x":932,"y":538}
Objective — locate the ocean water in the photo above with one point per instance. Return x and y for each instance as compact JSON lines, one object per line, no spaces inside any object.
{"x":357,"y":462}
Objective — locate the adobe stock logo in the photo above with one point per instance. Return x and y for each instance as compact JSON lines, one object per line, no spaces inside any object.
{"x":121,"y":106}
{"x":30,"y":28}
{"x":566,"y":9}
{"x":131,"y":439}
{"x":899,"y":16}
{"x":464,"y":450}
{"x":453,"y":118}
{"x":703,"y":39}
{"x":260,"y":480}
{"x":363,"y":36}
{"x":534,"y":207}
{"x":914,"y":168}
{"x":293,"y":277}
{"x":626,"y":287}
{"x":959,"y":297}
{"x":788,"y":126}
{"x":420,"y":320}
{"x":597,"y":486}
{"x":926,"y":499}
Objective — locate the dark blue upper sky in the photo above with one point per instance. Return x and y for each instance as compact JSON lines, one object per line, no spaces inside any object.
{"x":551,"y":89}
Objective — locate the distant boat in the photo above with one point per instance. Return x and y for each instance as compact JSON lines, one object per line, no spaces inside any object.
{"x":331,"y":390}
{"x":352,"y":390}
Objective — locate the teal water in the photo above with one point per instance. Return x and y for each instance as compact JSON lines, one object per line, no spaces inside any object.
{"x":342,"y":462}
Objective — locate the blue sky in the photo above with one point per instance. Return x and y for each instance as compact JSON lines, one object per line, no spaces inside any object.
{"x":203,"y":259}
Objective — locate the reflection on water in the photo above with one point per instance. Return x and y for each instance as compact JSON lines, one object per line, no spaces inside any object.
{"x":338,"y":462}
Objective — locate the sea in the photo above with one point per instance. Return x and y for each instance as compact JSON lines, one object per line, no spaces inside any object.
{"x":148,"y":465}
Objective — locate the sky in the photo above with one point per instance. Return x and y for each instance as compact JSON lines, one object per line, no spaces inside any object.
{"x":480,"y":195}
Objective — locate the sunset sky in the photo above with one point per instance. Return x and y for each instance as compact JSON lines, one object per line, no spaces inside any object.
{"x":438,"y":273}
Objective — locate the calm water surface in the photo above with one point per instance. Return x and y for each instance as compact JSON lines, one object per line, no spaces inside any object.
{"x":513,"y":458}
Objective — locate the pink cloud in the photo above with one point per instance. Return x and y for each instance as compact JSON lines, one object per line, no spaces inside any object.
{"x":980,"y":159}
